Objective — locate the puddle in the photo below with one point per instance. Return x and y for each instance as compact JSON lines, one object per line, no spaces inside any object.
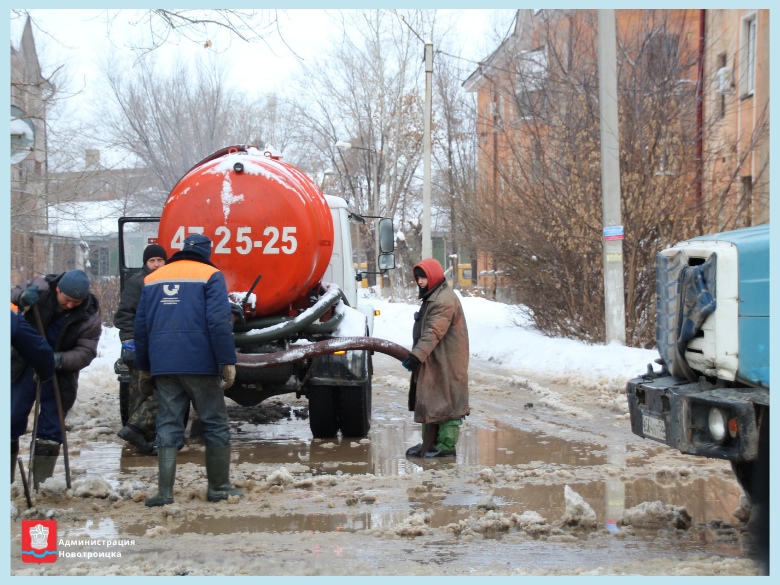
{"x":207,"y":524}
{"x":389,"y":440}
{"x":698,"y":496}
{"x":287,"y":442}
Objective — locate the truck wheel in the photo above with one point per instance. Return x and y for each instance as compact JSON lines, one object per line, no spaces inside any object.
{"x":323,"y":420}
{"x":124,"y":401}
{"x":753,"y":476}
{"x":744,"y":472}
{"x":355,"y":410}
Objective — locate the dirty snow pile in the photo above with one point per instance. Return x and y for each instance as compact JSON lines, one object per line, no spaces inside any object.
{"x":498,"y":334}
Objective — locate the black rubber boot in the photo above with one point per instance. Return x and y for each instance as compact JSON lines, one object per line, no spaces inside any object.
{"x":429,"y":434}
{"x":46,"y":453}
{"x":218,"y":473}
{"x":14,"y":455}
{"x":135,"y":437}
{"x":414,"y":451}
{"x":166,"y":464}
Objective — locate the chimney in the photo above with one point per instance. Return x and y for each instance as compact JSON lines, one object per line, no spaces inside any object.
{"x":92,"y":159}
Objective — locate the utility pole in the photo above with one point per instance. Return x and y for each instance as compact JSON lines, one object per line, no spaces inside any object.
{"x":614,"y":295}
{"x":427,"y":246}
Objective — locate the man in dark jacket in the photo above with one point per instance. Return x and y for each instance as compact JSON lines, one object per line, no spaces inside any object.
{"x":184,"y":339}
{"x":71,"y":322}
{"x":142,"y":422}
{"x":439,"y":362}
{"x":37,"y":352}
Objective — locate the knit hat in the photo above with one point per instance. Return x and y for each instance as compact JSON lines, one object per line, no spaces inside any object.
{"x":154,"y":251}
{"x":74,"y":284}
{"x":419,"y":272}
{"x":198,"y":243}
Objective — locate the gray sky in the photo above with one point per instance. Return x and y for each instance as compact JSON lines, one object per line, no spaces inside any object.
{"x":78,"y":38}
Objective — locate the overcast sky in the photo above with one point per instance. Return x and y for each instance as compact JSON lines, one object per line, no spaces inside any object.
{"x":79,"y":38}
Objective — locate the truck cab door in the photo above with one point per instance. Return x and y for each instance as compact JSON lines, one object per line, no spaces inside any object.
{"x":135,"y":233}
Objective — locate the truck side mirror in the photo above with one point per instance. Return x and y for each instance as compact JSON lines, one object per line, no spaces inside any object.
{"x":386,"y":236}
{"x":386,"y":261}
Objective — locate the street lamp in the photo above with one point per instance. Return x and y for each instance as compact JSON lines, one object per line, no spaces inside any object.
{"x":375,"y":171}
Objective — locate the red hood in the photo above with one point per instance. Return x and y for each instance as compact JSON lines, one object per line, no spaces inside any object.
{"x":433,"y":271}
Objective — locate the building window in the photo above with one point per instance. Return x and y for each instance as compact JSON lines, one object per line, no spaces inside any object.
{"x":100,"y":261}
{"x":748,"y":57}
{"x":530,"y":76}
{"x":662,"y":58}
{"x":722,"y":89}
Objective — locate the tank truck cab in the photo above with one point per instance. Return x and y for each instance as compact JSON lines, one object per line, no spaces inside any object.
{"x":341,"y":269}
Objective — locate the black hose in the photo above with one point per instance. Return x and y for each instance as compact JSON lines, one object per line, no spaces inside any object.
{"x":301,"y":352}
{"x":294,"y":325}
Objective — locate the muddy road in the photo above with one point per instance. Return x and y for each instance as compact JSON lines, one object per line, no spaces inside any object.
{"x":548,"y":480}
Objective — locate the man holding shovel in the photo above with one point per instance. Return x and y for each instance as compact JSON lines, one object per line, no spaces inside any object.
{"x":67,"y":312}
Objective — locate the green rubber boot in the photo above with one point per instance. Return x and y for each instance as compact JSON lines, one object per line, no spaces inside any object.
{"x":166,"y":464}
{"x":218,"y":473}
{"x":46,"y":453}
{"x":448,"y":437}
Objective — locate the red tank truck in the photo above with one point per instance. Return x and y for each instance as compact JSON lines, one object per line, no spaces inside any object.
{"x":286,"y":254}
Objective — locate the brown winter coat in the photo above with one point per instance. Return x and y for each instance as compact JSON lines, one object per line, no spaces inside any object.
{"x":439,"y":388}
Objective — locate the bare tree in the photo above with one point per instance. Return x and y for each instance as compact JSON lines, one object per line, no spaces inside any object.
{"x":365,"y":90}
{"x":539,"y":216}
{"x":171,"y":119}
{"x":455,"y":153}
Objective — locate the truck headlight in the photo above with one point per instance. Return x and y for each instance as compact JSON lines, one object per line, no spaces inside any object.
{"x":717,"y":422}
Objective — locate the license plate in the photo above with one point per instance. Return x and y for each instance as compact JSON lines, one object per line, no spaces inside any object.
{"x":654,"y":427}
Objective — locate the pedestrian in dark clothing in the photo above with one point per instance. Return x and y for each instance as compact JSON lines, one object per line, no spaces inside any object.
{"x":141,"y":424}
{"x":439,"y":361}
{"x":32,"y":347}
{"x":71,"y":322}
{"x":36,"y":351}
{"x":184,"y":339}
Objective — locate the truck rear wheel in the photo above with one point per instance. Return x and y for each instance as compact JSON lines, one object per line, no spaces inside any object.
{"x":323,"y":418}
{"x":355,"y":410}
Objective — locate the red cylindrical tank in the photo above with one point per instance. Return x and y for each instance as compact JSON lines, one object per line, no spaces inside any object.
{"x":264,"y":217}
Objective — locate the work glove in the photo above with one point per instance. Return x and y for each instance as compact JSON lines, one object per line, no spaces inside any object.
{"x":236,"y":313}
{"x":29,"y":297}
{"x":410,"y":362}
{"x":128,"y":353}
{"x":57,"y":360}
{"x":228,"y":376}
{"x":145,"y":383}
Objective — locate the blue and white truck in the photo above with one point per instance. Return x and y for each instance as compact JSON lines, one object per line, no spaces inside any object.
{"x":711,"y":395}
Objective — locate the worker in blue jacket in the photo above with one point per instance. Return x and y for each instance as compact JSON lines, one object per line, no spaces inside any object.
{"x":33,"y":348}
{"x":184,"y":340}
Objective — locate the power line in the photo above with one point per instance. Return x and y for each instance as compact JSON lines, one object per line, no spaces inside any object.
{"x":403,"y":19}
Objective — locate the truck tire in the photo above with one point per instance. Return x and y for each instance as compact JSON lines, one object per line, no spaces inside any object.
{"x":323,"y":417}
{"x":354,"y":407}
{"x":753,"y":477}
{"x":124,"y":402}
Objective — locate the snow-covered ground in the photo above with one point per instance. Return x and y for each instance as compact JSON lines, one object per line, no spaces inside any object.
{"x":498,"y":333}
{"x":404,"y":517}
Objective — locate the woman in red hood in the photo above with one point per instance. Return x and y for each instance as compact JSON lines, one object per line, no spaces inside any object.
{"x":439,"y":361}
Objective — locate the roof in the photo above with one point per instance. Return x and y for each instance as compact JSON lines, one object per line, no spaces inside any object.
{"x":82,"y":219}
